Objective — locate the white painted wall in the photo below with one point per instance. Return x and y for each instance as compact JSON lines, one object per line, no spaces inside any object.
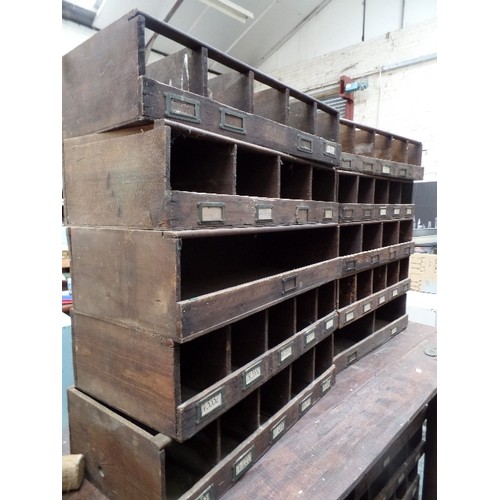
{"x":340,"y":24}
{"x":398,"y":65}
{"x":73,"y":34}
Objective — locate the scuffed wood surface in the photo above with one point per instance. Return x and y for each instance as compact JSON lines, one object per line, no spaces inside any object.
{"x":325,"y":454}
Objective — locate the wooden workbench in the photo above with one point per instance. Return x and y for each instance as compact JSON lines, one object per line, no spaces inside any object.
{"x":326,"y":454}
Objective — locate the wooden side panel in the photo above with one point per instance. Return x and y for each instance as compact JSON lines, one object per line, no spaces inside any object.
{"x":121,"y":459}
{"x":186,"y":69}
{"x":302,"y":115}
{"x":129,"y":369}
{"x":364,"y":142}
{"x":346,"y":137}
{"x":129,"y":277}
{"x":327,"y":125}
{"x":383,"y":147}
{"x":232,"y":89}
{"x":115,"y":179}
{"x":100,"y":79}
{"x":271,"y":103}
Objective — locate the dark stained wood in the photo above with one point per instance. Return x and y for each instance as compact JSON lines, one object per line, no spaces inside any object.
{"x":192,"y":211}
{"x":186,"y":69}
{"x":363,"y":339}
{"x":120,"y":459}
{"x":133,"y":280}
{"x":362,"y":212}
{"x":272,"y":103}
{"x":124,"y":174}
{"x":414,"y":153}
{"x":343,"y":441}
{"x":100,"y":87}
{"x":136,"y":179}
{"x":383,"y":147}
{"x":326,"y":125}
{"x":327,"y":453}
{"x":143,"y":375}
{"x":158,"y":462}
{"x":122,"y":285}
{"x":360,"y":307}
{"x":301,"y":115}
{"x":232,"y":89}
{"x":429,"y":488}
{"x":214,"y":116}
{"x":130,"y":369}
{"x":374,"y":166}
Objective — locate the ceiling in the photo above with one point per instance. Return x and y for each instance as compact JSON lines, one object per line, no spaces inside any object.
{"x":251,"y":41}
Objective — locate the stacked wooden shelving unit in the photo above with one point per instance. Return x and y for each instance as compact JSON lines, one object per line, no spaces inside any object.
{"x":234,"y":245}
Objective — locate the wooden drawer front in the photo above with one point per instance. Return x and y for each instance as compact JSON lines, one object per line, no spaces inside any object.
{"x":214,"y":116}
{"x":195,"y":211}
{"x":169,"y":177}
{"x":207,"y":464}
{"x":357,"y":212}
{"x":368,"y":304}
{"x":177,"y":87}
{"x":179,"y":389}
{"x":351,"y":343}
{"x":377,"y":167}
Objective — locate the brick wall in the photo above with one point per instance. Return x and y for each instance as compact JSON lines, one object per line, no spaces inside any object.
{"x":400,"y":70}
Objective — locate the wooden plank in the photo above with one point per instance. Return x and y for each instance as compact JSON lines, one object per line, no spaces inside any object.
{"x":233,"y":89}
{"x":376,"y":167}
{"x":131,"y":370}
{"x":372,"y":402}
{"x":128,"y":277}
{"x":272,"y":103}
{"x":116,"y":179}
{"x":362,"y":212}
{"x":129,"y":463}
{"x":100,"y":88}
{"x":186,"y":69}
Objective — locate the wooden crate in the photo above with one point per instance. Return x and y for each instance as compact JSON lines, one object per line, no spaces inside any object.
{"x":369,"y":143}
{"x":165,"y":384}
{"x":184,"y":285}
{"x":167,"y":176}
{"x":126,"y":460}
{"x":179,"y":389}
{"x":108,"y":84}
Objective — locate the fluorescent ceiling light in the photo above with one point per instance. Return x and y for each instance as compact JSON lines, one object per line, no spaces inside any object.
{"x":92,"y":5}
{"x":230,"y":9}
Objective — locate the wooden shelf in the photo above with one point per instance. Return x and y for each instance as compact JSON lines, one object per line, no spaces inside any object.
{"x":328,"y":452}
